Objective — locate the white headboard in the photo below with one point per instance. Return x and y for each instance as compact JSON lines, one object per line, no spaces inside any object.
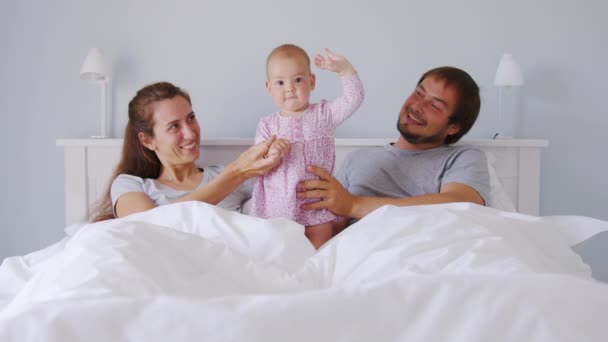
{"x":89,"y":164}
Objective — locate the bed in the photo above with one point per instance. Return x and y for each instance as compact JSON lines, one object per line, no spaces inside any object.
{"x":89,"y":163}
{"x":192,"y":271}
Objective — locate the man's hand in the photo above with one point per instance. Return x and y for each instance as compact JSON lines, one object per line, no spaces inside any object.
{"x":328,"y":189}
{"x":334,"y":62}
{"x":338,"y":200}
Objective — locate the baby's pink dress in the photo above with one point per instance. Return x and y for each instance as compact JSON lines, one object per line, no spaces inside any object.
{"x":311,"y":135}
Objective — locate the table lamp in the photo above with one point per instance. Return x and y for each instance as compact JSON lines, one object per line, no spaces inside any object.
{"x":94,"y":70}
{"x":508,"y":74}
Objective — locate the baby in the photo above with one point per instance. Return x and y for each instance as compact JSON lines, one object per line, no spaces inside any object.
{"x":310,"y":130}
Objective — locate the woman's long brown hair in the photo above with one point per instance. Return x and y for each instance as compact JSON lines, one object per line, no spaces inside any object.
{"x":136,"y":159}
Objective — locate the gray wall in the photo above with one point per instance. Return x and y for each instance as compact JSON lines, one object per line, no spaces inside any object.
{"x":216,"y":50}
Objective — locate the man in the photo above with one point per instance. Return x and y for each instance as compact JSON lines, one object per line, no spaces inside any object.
{"x":421,"y":167}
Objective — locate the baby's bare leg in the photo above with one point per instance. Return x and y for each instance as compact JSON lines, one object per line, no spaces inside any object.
{"x":319,"y":234}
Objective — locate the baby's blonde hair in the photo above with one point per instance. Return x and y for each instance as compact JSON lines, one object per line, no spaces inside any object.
{"x":288,"y":50}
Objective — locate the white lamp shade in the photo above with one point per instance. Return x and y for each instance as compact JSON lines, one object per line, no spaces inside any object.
{"x":93,"y":68}
{"x":508,"y":72}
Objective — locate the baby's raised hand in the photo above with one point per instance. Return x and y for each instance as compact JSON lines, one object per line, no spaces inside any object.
{"x":334,"y":62}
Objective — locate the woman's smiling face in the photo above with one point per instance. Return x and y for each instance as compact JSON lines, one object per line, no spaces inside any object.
{"x":176,"y":138}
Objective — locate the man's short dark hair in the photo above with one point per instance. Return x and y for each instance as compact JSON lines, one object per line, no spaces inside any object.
{"x":467,"y":108}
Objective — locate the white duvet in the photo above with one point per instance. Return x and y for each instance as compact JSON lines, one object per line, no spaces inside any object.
{"x":194,"y":272}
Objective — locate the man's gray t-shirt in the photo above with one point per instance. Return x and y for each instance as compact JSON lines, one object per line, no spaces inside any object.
{"x":388,"y":171}
{"x":162,"y":194}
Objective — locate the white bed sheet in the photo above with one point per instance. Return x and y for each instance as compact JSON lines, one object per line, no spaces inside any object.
{"x":191,"y":271}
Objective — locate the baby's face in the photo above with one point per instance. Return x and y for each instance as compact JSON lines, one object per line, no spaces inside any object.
{"x":289,"y":83}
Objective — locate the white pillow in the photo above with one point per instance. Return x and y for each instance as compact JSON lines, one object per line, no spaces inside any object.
{"x":498,"y":196}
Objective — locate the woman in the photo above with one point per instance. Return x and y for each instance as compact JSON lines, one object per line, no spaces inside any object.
{"x":158,"y":163}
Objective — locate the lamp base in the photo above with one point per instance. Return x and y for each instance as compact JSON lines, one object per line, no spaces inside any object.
{"x":500,"y":136}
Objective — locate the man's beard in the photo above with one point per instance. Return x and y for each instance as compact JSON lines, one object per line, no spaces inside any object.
{"x":415,"y":139}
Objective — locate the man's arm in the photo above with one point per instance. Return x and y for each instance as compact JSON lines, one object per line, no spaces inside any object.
{"x":338,"y":200}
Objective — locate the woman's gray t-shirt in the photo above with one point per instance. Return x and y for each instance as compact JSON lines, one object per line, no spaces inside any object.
{"x":162,"y":194}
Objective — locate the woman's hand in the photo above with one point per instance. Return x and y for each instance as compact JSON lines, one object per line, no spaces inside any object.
{"x":249,"y":164}
{"x":259,"y":159}
{"x":334,"y":62}
{"x":279,"y":148}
